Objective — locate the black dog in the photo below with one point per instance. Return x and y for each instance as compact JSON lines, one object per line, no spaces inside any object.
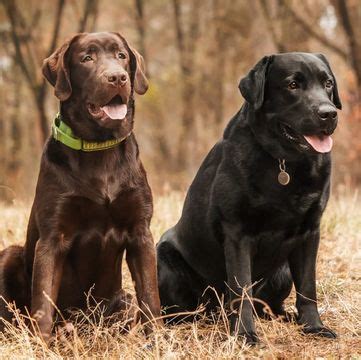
{"x":252,"y":214}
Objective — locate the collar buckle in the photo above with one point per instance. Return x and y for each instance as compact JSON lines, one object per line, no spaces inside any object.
{"x":55,"y":132}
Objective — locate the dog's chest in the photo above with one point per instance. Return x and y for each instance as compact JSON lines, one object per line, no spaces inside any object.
{"x":101,"y":211}
{"x":107,"y":186}
{"x":103,"y":192}
{"x":305,"y":191}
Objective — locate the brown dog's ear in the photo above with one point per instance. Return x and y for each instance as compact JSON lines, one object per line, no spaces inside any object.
{"x":335,"y":96}
{"x":140,"y":80}
{"x":253,"y":84}
{"x":56,"y":70}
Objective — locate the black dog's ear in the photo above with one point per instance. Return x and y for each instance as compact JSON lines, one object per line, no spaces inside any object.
{"x":335,"y":96}
{"x":137,"y":68}
{"x":252,"y":86}
{"x":56,"y":70}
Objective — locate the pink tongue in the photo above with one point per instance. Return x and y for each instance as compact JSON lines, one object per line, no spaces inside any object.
{"x":322,"y":144}
{"x":115,"y":112}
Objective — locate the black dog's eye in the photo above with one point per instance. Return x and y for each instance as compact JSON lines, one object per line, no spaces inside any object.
{"x":121,"y":55}
{"x":293,"y":85}
{"x":87,"y":58}
{"x":329,"y":84}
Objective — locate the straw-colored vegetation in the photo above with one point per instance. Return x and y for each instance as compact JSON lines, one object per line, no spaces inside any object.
{"x":339,"y":292}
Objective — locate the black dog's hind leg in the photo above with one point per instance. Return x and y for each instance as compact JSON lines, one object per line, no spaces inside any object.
{"x":238,"y":252}
{"x":273,"y":291}
{"x":180,"y":288}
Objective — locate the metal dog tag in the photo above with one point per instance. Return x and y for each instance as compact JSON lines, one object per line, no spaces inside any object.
{"x":283,"y":177}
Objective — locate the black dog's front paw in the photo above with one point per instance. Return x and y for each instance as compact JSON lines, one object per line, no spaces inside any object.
{"x":320,"y":331}
{"x":250,"y":337}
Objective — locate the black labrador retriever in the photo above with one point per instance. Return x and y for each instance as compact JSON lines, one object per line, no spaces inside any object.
{"x":250,"y":225}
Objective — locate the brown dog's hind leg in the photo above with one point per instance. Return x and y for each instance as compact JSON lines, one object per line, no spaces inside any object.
{"x":14,"y":284}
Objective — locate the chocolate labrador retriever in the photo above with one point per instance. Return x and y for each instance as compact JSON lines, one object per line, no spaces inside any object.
{"x":93,"y":201}
{"x":250,"y":225}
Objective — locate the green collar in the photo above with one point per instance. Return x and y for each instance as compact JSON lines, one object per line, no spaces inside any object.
{"x":63,"y":133}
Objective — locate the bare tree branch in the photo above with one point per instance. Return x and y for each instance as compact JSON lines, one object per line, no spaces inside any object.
{"x":12,"y":14}
{"x":178,"y":26}
{"x":140,"y":22}
{"x":56,"y":29}
{"x":26,"y":56}
{"x":90,"y":10}
{"x":271,"y":26}
{"x":308,"y":28}
{"x":186,"y":43}
{"x":355,"y":51}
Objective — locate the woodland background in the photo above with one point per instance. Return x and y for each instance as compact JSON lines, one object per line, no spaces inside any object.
{"x":195,"y":51}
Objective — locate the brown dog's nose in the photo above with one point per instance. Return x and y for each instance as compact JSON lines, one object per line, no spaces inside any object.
{"x":117,"y":78}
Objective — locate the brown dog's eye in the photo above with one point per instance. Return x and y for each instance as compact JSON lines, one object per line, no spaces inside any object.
{"x":121,"y":55}
{"x":293,"y":85}
{"x":329,"y":83}
{"x":87,"y":58}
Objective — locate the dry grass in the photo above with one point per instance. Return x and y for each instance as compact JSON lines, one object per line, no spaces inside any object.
{"x":339,"y":281}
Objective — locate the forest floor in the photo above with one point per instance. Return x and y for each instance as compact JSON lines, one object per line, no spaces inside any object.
{"x":339,"y":294}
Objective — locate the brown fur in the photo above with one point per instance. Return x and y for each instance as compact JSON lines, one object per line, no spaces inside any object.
{"x":89,"y":208}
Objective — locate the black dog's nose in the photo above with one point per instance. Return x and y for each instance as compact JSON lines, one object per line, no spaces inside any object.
{"x":327,"y":112}
{"x":117,"y":78}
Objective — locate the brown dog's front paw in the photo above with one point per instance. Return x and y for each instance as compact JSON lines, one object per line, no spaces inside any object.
{"x":44,"y":338}
{"x":41,"y":326}
{"x":251,"y":338}
{"x":320,"y":331}
{"x":151,"y":326}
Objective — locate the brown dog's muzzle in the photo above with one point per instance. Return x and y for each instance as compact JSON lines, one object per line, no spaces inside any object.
{"x":110,"y":94}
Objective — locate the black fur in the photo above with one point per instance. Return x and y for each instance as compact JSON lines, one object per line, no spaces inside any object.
{"x":239,"y":225}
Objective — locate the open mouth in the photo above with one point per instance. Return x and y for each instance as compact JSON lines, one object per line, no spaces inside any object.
{"x":115,"y":109}
{"x":321,"y":142}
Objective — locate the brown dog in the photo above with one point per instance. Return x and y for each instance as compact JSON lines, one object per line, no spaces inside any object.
{"x":93,"y":203}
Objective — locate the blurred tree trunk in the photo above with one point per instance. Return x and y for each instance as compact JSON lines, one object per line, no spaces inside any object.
{"x":343,"y":13}
{"x":27,"y":52}
{"x":89,"y":17}
{"x":26,"y":57}
{"x":140,"y":24}
{"x":312,"y":32}
{"x":271,"y":24}
{"x":186,"y":42}
{"x":155,"y":113}
{"x":279,"y":23}
{"x":354,"y":45}
{"x":16,"y":139}
{"x":220,"y":12}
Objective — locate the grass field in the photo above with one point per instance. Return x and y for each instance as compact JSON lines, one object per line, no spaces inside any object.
{"x":339,"y":294}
